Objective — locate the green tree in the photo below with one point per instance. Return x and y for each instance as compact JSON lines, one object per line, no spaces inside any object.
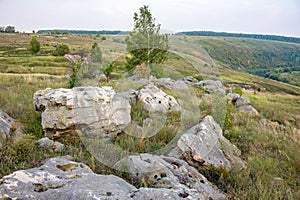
{"x":145,"y":43}
{"x":34,"y":45}
{"x":10,"y":29}
{"x":108,"y":70}
{"x":96,"y":54}
{"x":74,"y":80}
{"x":61,"y":50}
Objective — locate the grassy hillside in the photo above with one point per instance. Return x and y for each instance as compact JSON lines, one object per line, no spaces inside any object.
{"x":271,"y":150}
{"x":270,"y":59}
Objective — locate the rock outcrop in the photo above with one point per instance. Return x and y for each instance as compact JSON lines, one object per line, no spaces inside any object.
{"x":9,"y":127}
{"x":242,"y":104}
{"x":88,"y":111}
{"x":51,"y":145}
{"x":212,"y":85}
{"x":155,"y":100}
{"x":241,"y":101}
{"x":73,"y":58}
{"x":171,"y":174}
{"x":205,"y":143}
{"x":60,"y":178}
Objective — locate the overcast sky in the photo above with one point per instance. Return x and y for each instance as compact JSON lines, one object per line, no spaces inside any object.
{"x":279,"y":17}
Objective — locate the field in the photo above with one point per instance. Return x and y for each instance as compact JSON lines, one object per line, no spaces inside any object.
{"x":272,"y":150}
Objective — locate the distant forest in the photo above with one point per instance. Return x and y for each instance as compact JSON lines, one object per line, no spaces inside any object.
{"x":241,"y":35}
{"x":188,"y":33}
{"x":81,"y":32}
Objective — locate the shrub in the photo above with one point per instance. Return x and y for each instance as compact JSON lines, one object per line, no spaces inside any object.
{"x":237,"y":89}
{"x":61,"y":50}
{"x":96,"y":54}
{"x":75,"y":76}
{"x":34,"y":45}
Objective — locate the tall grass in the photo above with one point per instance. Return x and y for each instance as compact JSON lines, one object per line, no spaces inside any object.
{"x":16,"y":97}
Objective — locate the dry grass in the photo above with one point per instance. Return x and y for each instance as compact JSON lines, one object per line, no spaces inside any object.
{"x":272,"y":150}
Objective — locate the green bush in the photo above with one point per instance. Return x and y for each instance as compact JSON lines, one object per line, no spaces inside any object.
{"x":96,"y":54}
{"x":75,"y":76}
{"x":237,"y":89}
{"x":61,"y":50}
{"x":34,"y":45}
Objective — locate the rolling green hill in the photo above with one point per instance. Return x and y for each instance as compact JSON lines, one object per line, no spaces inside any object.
{"x":269,"y":143}
{"x":270,"y":59}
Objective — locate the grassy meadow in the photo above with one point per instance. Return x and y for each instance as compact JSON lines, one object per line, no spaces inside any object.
{"x":271,"y":149}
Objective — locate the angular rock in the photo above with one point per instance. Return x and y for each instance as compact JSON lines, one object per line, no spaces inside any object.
{"x":248,"y":109}
{"x":189,"y":80}
{"x":205,"y":143}
{"x":59,"y":178}
{"x":233,"y":96}
{"x":170,"y":84}
{"x":51,"y":145}
{"x":154,"y":193}
{"x":73,"y":58}
{"x":131,"y":95}
{"x":169,"y":173}
{"x":9,"y":127}
{"x":212,"y":85}
{"x":243,"y":101}
{"x":156,"y":100}
{"x":168,"y":194}
{"x":89,"y":111}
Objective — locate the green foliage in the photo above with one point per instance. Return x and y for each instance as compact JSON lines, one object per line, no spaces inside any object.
{"x":137,"y":113}
{"x":228,"y":129}
{"x":35,"y":64}
{"x":61,"y":50}
{"x":275,"y":60}
{"x":151,"y":144}
{"x":108,"y":70}
{"x":145,"y":44}
{"x":35,"y":128}
{"x":9,"y":29}
{"x":237,"y":89}
{"x":75,"y":75}
{"x":241,"y":35}
{"x":34,"y":45}
{"x":96,"y":54}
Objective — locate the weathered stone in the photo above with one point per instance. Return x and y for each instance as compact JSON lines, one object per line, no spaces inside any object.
{"x":206,"y":144}
{"x":155,"y":100}
{"x":131,"y":95}
{"x":73,"y":58}
{"x":243,"y":101}
{"x":248,"y":109}
{"x":90,"y":111}
{"x":51,"y":145}
{"x":102,"y":78}
{"x":154,"y":193}
{"x":167,"y":194}
{"x":170,"y":84}
{"x":233,"y":96}
{"x":189,"y":80}
{"x":212,"y":85}
{"x":9,"y":127}
{"x":59,"y":178}
{"x":169,"y":173}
